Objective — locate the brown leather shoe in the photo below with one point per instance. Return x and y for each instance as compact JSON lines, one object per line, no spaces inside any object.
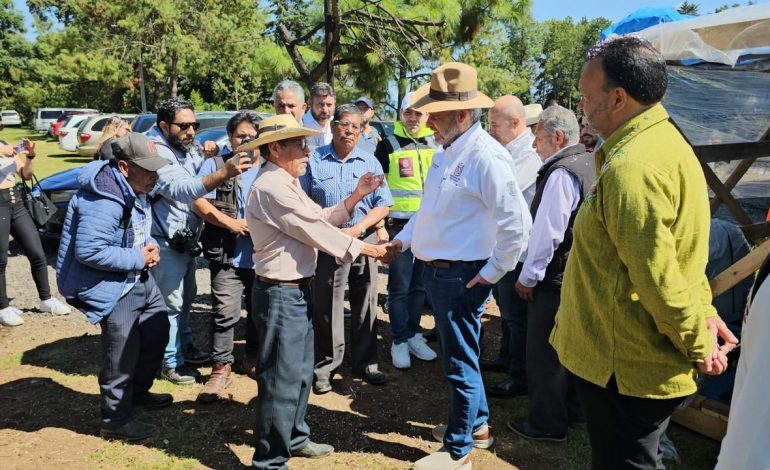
{"x":220,"y":379}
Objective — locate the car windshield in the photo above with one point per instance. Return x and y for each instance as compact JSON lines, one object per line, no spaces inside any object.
{"x":10,"y":113}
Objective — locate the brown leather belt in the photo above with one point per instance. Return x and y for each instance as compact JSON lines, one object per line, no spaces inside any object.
{"x":297,"y":282}
{"x":446,"y":264}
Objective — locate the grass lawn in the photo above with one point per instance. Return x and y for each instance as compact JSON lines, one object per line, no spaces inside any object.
{"x":50,"y":158}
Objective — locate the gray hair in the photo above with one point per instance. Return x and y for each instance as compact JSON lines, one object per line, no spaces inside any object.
{"x":557,"y":117}
{"x":346,"y":108}
{"x":322,"y":89}
{"x":292,"y":86}
{"x":475,"y":115}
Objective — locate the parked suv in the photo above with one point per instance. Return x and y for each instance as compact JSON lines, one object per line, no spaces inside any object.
{"x":44,"y":117}
{"x":9,"y":117}
{"x":90,"y":131}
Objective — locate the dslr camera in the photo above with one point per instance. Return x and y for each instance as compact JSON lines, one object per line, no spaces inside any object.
{"x":185,"y":241}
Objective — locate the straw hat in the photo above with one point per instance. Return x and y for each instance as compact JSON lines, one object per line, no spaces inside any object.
{"x":452,"y":86}
{"x":532,"y":113}
{"x":275,"y":128}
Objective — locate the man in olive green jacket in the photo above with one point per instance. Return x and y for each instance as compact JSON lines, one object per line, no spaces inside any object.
{"x":636,"y":323}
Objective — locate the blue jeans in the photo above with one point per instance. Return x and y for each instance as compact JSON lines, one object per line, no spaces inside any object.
{"x":406,"y":295}
{"x":175,"y":275}
{"x":458,"y":311}
{"x":284,"y":326}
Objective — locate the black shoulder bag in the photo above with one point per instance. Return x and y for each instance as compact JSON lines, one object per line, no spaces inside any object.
{"x":39,"y":205}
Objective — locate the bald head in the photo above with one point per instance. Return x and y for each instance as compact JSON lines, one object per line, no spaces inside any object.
{"x":506,"y":119}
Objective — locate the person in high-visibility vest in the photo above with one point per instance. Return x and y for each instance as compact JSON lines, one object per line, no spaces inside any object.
{"x":405,"y":157}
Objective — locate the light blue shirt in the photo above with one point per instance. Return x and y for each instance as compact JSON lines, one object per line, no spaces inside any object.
{"x":329,"y":180}
{"x":244,"y":248}
{"x":369,"y":143}
{"x":178,"y":186}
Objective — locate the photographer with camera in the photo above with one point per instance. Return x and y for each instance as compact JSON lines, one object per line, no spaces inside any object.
{"x":228,"y":247}
{"x":176,"y":227}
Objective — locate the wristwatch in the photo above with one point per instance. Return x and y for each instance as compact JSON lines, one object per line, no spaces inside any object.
{"x":363,"y":230}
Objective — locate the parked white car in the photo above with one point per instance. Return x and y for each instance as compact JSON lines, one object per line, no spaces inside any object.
{"x":90,"y":131}
{"x":68,"y":134}
{"x":9,"y":117}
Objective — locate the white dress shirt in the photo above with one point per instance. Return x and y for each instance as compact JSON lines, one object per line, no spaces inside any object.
{"x":319,"y":140}
{"x":472,"y":208}
{"x":561,"y":196}
{"x":526,"y":162}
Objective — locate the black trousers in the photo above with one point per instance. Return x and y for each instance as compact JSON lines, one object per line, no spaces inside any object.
{"x":553,"y":402}
{"x":624,"y":431}
{"x":228,"y":285}
{"x":328,"y":314}
{"x":513,"y":318}
{"x":15,"y":220}
{"x":134,"y":337}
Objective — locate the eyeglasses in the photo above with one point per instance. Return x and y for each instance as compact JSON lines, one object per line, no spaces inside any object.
{"x":302,"y":143}
{"x":186,"y":125}
{"x":348,"y":125}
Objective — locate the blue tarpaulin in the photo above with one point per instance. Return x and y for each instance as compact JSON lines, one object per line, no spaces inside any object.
{"x":641,"y":19}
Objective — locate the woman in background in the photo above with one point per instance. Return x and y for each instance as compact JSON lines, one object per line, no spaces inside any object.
{"x":116,"y":128}
{"x":15,"y":220}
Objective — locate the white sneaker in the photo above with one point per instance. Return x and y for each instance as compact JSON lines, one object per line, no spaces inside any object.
{"x":399,"y":353}
{"x":418,"y":346}
{"x":10,"y":317}
{"x":55,"y":306}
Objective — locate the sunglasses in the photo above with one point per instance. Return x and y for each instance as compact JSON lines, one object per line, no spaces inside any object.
{"x":301,"y":143}
{"x":186,"y":125}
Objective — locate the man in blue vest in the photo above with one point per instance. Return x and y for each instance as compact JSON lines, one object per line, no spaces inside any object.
{"x":405,"y":157}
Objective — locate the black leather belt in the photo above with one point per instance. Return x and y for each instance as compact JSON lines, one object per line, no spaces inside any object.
{"x":297,"y":282}
{"x":446,"y":264}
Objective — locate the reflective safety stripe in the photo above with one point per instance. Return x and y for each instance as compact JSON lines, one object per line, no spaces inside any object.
{"x":403,"y":193}
{"x":401,"y":215}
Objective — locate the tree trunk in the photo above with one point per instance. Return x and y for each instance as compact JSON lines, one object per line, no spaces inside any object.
{"x":173,"y":76}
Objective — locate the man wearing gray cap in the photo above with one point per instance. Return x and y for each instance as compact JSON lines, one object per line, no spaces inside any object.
{"x":102,"y":269}
{"x":369,"y":135}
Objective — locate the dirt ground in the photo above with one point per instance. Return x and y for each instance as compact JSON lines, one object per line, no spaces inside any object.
{"x":49,"y":406}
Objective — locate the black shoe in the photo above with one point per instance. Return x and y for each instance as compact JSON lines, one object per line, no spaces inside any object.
{"x":131,"y":431}
{"x":179,"y":375}
{"x":193,"y":355}
{"x":322,"y":386}
{"x":524,"y":429}
{"x":508,"y":388}
{"x":430,"y":335}
{"x":314,"y":451}
{"x":497,"y":364}
{"x":153,"y":401}
{"x":374,"y":377}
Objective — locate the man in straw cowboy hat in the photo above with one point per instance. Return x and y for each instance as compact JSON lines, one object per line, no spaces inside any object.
{"x":288,"y":229}
{"x":470,"y":229}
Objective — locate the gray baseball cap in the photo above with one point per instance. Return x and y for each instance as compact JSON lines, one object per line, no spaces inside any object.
{"x":139,"y":149}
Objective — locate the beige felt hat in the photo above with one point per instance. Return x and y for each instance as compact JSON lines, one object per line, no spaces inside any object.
{"x":532,"y":113}
{"x":275,"y":128}
{"x":452,"y":86}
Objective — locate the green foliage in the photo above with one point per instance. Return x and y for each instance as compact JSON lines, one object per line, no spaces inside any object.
{"x":688,"y":8}
{"x":228,"y":55}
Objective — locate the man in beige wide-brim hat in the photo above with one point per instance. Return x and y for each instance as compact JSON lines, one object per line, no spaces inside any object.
{"x":471,"y":227}
{"x":288,"y":229}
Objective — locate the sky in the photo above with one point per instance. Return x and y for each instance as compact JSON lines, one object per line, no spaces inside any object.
{"x":614,"y":10}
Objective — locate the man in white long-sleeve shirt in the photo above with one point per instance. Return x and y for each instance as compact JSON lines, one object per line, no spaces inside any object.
{"x":508,"y":125}
{"x":470,"y":230}
{"x":562,"y":183}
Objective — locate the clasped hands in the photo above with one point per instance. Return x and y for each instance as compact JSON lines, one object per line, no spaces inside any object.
{"x":716,"y":362}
